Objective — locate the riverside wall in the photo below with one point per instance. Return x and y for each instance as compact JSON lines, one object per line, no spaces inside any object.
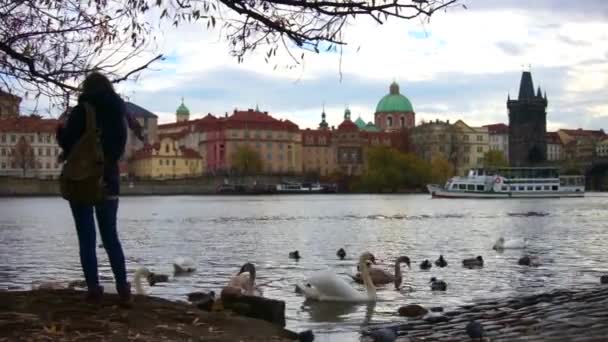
{"x":13,"y":186}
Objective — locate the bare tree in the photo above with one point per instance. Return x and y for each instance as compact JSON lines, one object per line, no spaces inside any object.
{"x":23,"y":156}
{"x":46,"y":46}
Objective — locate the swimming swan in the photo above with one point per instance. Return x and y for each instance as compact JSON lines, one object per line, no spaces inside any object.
{"x":326,"y":286}
{"x":502,"y":244}
{"x":183,"y":266}
{"x":381,"y":277}
{"x":243,"y":283}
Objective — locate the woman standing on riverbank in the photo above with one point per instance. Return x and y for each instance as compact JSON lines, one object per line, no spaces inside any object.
{"x":111,"y":121}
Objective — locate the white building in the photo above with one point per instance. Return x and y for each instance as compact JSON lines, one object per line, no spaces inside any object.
{"x":499,"y":138}
{"x":28,"y":147}
{"x":555,"y":147}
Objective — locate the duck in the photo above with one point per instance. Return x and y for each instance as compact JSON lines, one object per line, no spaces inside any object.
{"x":183,"y":266}
{"x":529,"y":261}
{"x":474,"y":330}
{"x":154,"y":278}
{"x":473,"y":262}
{"x":341,"y":253}
{"x":202,"y":300}
{"x":502,"y":244}
{"x":382,"y":277}
{"x":441,"y":262}
{"x":294,"y":255}
{"x":438,"y":285}
{"x":425,"y":265}
{"x":326,"y":286}
{"x":243,"y":283}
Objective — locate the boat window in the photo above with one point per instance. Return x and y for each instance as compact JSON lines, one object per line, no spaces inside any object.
{"x":530,"y":188}
{"x":462,"y":187}
{"x":554,"y":188}
{"x":470,"y":187}
{"x":539,"y":188}
{"x":505,"y":188}
{"x":547,"y":188}
{"x":521,"y":188}
{"x":480,"y":188}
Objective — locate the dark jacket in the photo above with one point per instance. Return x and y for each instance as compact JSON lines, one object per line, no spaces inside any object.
{"x":111,"y":121}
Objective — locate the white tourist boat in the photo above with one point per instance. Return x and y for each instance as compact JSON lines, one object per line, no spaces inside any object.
{"x":299,"y":188}
{"x":522,"y":182}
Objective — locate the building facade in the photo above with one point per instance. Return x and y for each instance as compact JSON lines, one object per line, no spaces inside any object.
{"x":460,"y":144}
{"x":166,"y":159}
{"x":580,"y":144}
{"x":601,"y":148}
{"x":9,"y":105}
{"x":527,"y":125}
{"x":28,"y":147}
{"x":499,"y":138}
{"x":394,"y":111}
{"x":555,"y":147}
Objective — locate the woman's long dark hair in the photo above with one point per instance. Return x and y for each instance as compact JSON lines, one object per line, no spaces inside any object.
{"x":96,"y":83}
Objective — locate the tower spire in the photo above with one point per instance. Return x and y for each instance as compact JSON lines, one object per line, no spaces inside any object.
{"x":526,"y":87}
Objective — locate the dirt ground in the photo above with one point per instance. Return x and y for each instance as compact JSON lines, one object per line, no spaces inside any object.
{"x":64,"y":315}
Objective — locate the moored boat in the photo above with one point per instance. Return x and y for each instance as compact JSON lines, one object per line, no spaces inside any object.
{"x":520,"y":182}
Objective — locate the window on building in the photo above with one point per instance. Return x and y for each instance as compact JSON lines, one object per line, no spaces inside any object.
{"x":539,"y":188}
{"x":39,"y":138}
{"x":13,"y":138}
{"x":31,"y":138}
{"x":48,"y":151}
{"x":3,"y":151}
{"x":480,"y":138}
{"x":167,"y":148}
{"x":56,"y":151}
{"x":269,"y":156}
{"x":48,"y":139}
{"x":160,"y":162}
{"x":39,"y":151}
{"x":479,"y":161}
{"x":522,"y":188}
{"x":173,"y":162}
{"x":480,"y":149}
{"x":269,"y":145}
{"x":467,"y":148}
{"x":402,"y":120}
{"x":2,"y":138}
{"x":389,"y":121}
{"x":530,"y":188}
{"x":48,"y":166}
{"x":465,"y":137}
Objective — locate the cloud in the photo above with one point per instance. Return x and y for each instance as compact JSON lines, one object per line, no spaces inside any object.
{"x":512,"y":49}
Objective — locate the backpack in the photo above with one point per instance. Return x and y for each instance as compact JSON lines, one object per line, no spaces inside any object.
{"x":81,"y":180}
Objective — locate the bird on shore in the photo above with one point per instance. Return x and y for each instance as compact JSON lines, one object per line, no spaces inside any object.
{"x":183,"y":266}
{"x":382,"y":277}
{"x":294,"y":255}
{"x":529,"y":261}
{"x":441,"y":262}
{"x":473,"y":262}
{"x":425,"y":265}
{"x":502,"y":244}
{"x":341,"y":253}
{"x":438,"y":285}
{"x":202,"y":300}
{"x":474,"y":330}
{"x":243,"y":283}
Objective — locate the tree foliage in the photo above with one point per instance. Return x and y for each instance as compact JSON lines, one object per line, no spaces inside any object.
{"x":23,"y":156}
{"x":391,"y":170}
{"x":47,"y":46}
{"x":494,"y":159}
{"x":441,"y":170}
{"x":246,"y":161}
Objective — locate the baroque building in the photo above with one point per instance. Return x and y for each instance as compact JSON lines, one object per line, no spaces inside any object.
{"x":527,"y":124}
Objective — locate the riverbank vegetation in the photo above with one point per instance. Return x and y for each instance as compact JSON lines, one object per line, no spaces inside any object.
{"x":63,"y":315}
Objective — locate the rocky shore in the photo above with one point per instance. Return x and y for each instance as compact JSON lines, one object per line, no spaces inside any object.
{"x":577,"y":316}
{"x":63,"y":315}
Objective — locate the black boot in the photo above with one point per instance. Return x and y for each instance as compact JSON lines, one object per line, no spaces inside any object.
{"x":124,"y":292}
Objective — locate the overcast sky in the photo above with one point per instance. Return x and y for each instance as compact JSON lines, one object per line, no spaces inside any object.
{"x":461,"y":65}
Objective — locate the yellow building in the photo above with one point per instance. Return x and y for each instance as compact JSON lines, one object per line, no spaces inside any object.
{"x":473,"y":143}
{"x":166,"y":160}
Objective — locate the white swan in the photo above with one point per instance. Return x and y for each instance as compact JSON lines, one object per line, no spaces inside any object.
{"x":326,"y":286}
{"x":183,"y":265}
{"x":243,"y":283}
{"x":501,"y":244}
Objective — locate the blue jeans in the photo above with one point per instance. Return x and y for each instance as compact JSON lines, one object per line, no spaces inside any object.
{"x":85,"y":227}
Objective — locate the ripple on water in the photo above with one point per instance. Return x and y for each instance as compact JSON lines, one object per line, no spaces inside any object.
{"x":221,"y":233}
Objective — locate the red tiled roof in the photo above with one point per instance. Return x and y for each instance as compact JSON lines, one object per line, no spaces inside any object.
{"x":553,"y":138}
{"x":499,"y":128}
{"x":28,"y":124}
{"x":348,"y":125}
{"x":584,"y":133}
{"x":147,"y":152}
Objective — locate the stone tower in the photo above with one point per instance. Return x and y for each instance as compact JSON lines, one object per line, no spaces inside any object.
{"x":527,"y":125}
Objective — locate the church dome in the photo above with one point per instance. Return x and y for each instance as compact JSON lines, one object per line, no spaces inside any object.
{"x":182,"y":109}
{"x":360,"y":123}
{"x":394,"y":102}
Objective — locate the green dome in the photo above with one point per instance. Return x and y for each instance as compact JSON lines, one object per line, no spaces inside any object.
{"x":394,"y":102}
{"x":360,"y":123}
{"x":182,"y":109}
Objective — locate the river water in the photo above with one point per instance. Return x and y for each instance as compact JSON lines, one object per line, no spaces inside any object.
{"x":38,"y":243}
